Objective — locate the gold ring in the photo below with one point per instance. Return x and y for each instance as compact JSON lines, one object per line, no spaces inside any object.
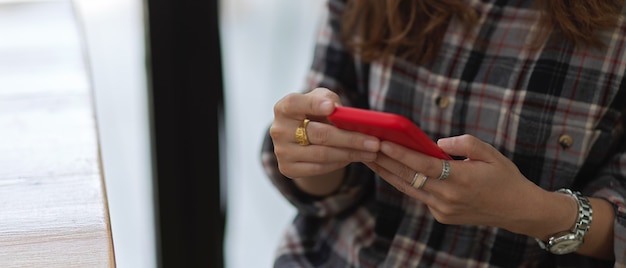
{"x":301,"y":136}
{"x":422,"y":180}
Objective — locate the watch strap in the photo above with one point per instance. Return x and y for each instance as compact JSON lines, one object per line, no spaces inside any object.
{"x":580,"y":228}
{"x":585,"y":212}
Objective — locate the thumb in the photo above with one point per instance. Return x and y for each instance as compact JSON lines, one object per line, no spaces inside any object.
{"x":317,"y":103}
{"x":468,"y":146}
{"x":322,"y":102}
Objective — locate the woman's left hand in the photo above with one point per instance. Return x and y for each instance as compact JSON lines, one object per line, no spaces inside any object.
{"x":484,"y":189}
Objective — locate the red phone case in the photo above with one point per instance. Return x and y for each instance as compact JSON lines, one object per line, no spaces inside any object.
{"x":386,"y":126}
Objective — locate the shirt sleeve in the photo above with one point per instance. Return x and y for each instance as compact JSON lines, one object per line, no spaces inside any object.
{"x":610,"y":185}
{"x":334,"y":68}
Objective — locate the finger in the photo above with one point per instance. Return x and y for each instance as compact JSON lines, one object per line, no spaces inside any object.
{"x":468,"y":146}
{"x":319,"y":102}
{"x":429,"y":166}
{"x":320,"y":98}
{"x":396,"y":168}
{"x":407,"y":173}
{"x":327,"y":154}
{"x":398,"y":182}
{"x":325,"y":134}
{"x":308,"y":169}
{"x":402,"y":184}
{"x":441,"y":210}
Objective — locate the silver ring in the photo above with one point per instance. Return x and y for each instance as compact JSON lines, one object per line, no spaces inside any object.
{"x":445,"y":170}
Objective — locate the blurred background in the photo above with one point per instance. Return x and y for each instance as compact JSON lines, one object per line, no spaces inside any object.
{"x":115,"y":50}
{"x":266,"y":48}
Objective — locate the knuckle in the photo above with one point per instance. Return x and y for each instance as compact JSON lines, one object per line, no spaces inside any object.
{"x":322,"y":91}
{"x":275,"y":132}
{"x":473,"y":144}
{"x":287,"y":103}
{"x":317,"y":90}
{"x":279,"y":107}
{"x":467,"y":138}
{"x":473,"y":147}
{"x":285,"y":170}
{"x":330,"y":94}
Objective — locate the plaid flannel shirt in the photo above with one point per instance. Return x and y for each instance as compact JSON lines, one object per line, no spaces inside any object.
{"x":557,"y":112}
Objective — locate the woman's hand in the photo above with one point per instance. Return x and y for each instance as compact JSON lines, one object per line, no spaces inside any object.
{"x":484,"y":189}
{"x":330,"y":148}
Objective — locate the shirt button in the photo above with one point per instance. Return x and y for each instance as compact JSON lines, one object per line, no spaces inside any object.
{"x":442,"y":101}
{"x":566,"y":141}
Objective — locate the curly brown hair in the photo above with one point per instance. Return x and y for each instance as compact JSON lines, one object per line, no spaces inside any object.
{"x":414,"y":29}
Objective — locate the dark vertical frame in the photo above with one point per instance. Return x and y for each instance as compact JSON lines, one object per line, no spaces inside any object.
{"x":185,"y":80}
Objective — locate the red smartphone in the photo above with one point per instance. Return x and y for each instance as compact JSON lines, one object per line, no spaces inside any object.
{"x":386,"y":126}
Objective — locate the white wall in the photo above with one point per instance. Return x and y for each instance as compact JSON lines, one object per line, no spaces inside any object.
{"x":115,"y":41}
{"x":267,"y":47}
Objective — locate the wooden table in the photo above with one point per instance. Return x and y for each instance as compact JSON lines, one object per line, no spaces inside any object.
{"x":53,"y":208}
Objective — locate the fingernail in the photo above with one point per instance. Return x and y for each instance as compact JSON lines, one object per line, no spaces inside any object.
{"x":385,"y":148}
{"x":371,"y":145}
{"x":443,"y":141}
{"x":326,"y":106}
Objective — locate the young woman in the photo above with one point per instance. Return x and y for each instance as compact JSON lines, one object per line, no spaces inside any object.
{"x":529,"y":96}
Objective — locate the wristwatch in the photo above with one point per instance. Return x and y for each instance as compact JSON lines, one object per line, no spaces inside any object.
{"x":569,"y":241}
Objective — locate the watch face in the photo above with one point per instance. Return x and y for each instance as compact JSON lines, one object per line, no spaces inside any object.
{"x":565,"y":244}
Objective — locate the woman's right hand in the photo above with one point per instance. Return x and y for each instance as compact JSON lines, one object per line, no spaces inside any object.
{"x":330,"y":148}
